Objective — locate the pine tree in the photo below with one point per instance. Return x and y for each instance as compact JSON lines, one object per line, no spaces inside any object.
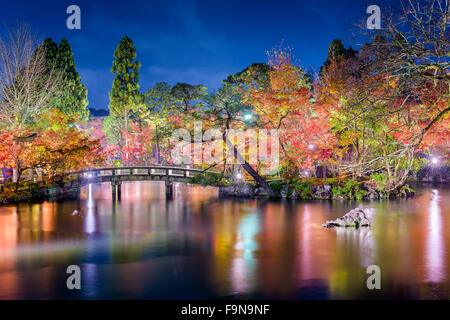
{"x":124,"y":97}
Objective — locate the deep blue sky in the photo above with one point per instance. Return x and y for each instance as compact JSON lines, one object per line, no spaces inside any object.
{"x":198,"y":42}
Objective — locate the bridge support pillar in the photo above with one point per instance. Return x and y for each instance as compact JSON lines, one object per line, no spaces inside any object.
{"x":119,"y":190}
{"x":113,"y":190}
{"x":169,"y":190}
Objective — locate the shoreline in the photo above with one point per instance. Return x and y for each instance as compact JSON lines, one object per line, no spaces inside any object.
{"x":236,"y":191}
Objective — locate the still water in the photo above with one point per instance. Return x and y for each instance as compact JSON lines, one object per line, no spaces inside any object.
{"x":197,"y":246}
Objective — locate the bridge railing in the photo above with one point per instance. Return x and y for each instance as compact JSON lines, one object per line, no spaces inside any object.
{"x":156,"y":171}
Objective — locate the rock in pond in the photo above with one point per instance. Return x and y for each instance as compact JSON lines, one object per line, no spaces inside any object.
{"x":354,"y":218}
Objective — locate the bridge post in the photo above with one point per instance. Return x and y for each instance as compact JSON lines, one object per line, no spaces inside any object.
{"x":119,"y":190}
{"x":169,"y":190}
{"x":113,"y":189}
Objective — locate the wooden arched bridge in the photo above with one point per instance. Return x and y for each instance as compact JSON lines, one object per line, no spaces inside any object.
{"x":117,"y":175}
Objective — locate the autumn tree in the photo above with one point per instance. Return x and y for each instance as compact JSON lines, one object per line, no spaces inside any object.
{"x":225,"y":110}
{"x":61,"y":147}
{"x":138,"y":149}
{"x":27,"y":87}
{"x":392,"y":102}
{"x":285,"y":105}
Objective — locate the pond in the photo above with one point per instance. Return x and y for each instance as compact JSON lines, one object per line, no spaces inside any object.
{"x":197,"y":246}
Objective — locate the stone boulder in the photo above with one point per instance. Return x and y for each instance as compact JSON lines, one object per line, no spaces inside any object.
{"x":242,"y":189}
{"x":354,"y":218}
{"x":322,"y":192}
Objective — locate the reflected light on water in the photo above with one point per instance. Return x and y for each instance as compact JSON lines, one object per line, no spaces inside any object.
{"x":90,"y":212}
{"x":243,"y":266}
{"x":198,"y":246}
{"x":305,"y":246}
{"x":435,"y":264}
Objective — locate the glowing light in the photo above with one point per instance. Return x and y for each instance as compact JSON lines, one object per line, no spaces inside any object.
{"x":306,"y":173}
{"x":248,"y":116}
{"x":239,"y":176}
{"x":434,"y":160}
{"x":311,"y":147}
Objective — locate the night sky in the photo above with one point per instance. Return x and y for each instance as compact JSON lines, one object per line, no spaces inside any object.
{"x":197,"y":42}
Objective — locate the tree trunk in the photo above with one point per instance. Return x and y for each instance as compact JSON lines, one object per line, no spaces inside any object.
{"x":158,"y":150}
{"x":15,"y":175}
{"x":158,"y":154}
{"x":252,"y":172}
{"x":19,"y":173}
{"x":126,"y":129}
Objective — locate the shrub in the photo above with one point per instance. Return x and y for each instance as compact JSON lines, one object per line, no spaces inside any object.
{"x":304,"y":188}
{"x":349,"y":189}
{"x":209,"y":179}
{"x":276,"y":185}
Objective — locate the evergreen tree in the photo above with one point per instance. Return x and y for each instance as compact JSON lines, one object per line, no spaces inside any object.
{"x":124,"y":97}
{"x":336,"y":50}
{"x":189,"y":96}
{"x":73,"y":100}
{"x":72,"y":94}
{"x":51,"y":50}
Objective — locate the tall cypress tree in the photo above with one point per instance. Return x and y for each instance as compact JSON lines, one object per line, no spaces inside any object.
{"x":124,"y":96}
{"x":336,"y":50}
{"x":73,"y":100}
{"x":51,"y":50}
{"x":72,"y":94}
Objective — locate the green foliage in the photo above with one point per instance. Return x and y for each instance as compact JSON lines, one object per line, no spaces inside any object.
{"x":225,"y":106}
{"x":255,"y":75}
{"x":336,"y":50}
{"x":112,"y":129}
{"x":350,"y":189}
{"x":276,"y":185}
{"x":209,"y":179}
{"x":72,"y":94}
{"x":380,"y":180}
{"x":304,"y":188}
{"x":159,"y":105}
{"x":406,"y":191}
{"x":188,"y":97}
{"x":124,"y":95}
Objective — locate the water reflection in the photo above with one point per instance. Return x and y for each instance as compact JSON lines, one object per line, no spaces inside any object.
{"x":197,"y":246}
{"x":435,"y":265}
{"x":244,"y":263}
